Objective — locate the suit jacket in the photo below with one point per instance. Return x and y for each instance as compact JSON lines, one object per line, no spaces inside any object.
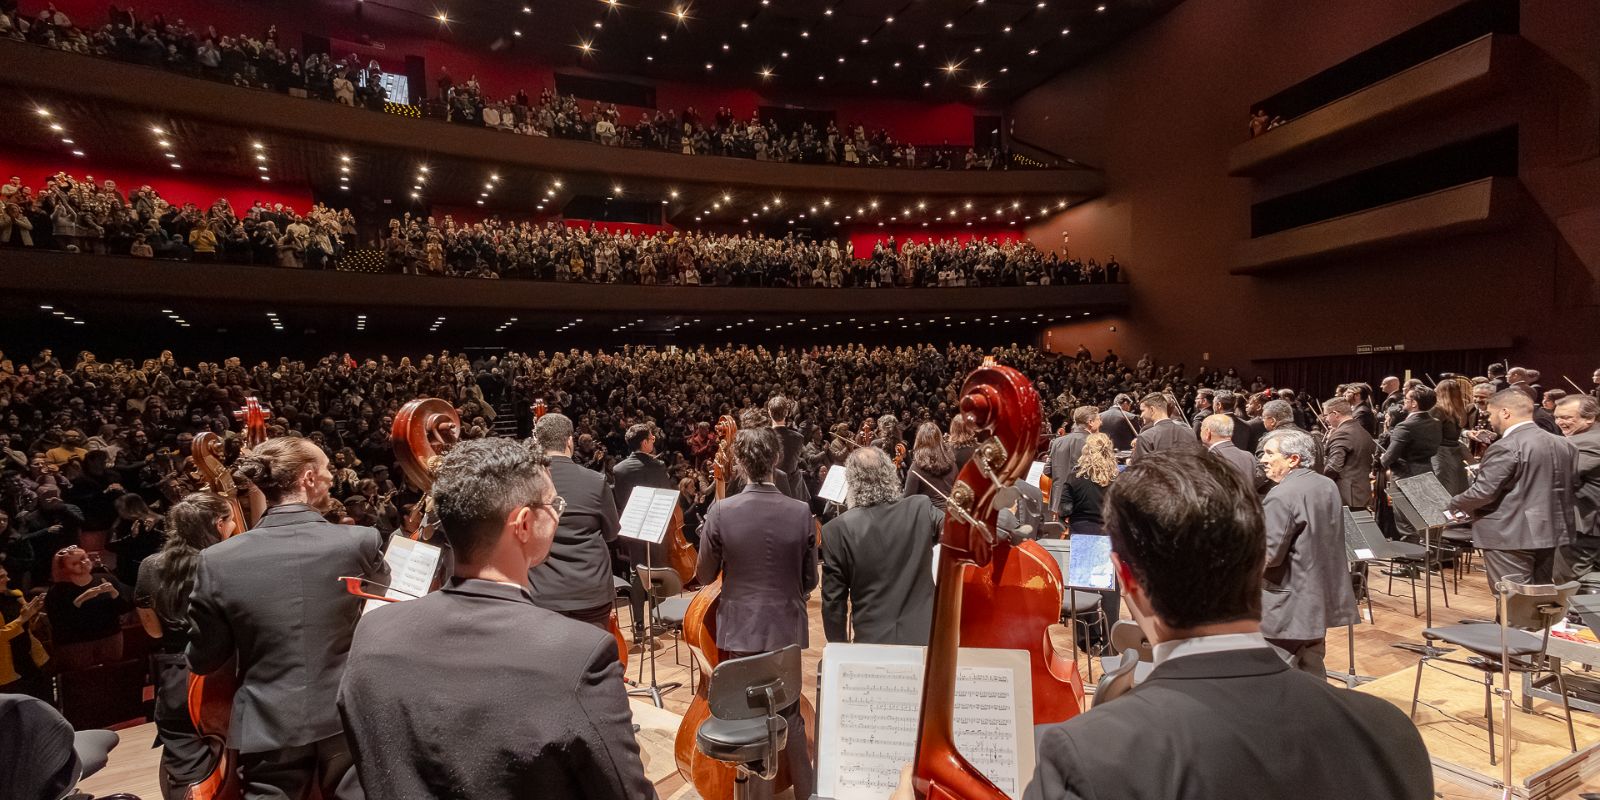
{"x":1242,"y":462}
{"x":538,"y":710}
{"x":1364,"y":416}
{"x":1120,"y":426}
{"x":272,"y":598}
{"x":877,"y":576}
{"x":1165,"y":434}
{"x":1347,"y":458}
{"x":1586,"y":495}
{"x":1233,"y":724}
{"x":1306,"y":588}
{"x":577,"y":573}
{"x":1412,"y":444}
{"x":1244,"y":436}
{"x":762,"y":544}
{"x":792,"y":441}
{"x":1522,"y":498}
{"x":792,"y":487}
{"x":1063,"y":461}
{"x":640,"y":469}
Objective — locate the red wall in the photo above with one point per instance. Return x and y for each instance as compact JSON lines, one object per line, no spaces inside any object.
{"x":862,"y":240}
{"x":350,"y":26}
{"x":174,"y":186}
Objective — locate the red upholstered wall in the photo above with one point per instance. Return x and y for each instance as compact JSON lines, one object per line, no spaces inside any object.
{"x":373,"y":32}
{"x":174,"y":186}
{"x":862,"y":240}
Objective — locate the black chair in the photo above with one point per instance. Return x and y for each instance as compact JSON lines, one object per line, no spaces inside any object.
{"x":746,"y":728}
{"x":42,"y":756}
{"x":1528,"y":610}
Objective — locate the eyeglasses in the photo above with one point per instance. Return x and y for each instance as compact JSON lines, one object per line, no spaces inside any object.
{"x":559,"y":504}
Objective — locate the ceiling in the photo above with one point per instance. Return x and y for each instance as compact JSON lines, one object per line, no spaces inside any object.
{"x":975,"y":51}
{"x":385,"y":182}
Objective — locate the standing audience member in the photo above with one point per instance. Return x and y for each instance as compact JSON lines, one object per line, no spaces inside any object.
{"x":22,"y":655}
{"x":85,"y":604}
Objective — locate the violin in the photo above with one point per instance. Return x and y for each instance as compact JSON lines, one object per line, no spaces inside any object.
{"x":899,"y":454}
{"x":990,"y":593}
{"x":210,"y":697}
{"x":712,"y":779}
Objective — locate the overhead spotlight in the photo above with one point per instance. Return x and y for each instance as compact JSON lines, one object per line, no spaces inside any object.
{"x":681,"y":13}
{"x":766,"y":72}
{"x":1033,"y":52}
{"x":56,"y":126}
{"x":516,"y":32}
{"x":1066,"y":31}
{"x":672,"y":193}
{"x":68,"y":141}
{"x":616,"y":188}
{"x":41,"y":111}
{"x":1101,"y":8}
{"x":79,"y":153}
{"x":444,"y":19}
{"x":805,"y":34}
{"x":950,"y":68}
{"x":257,"y":145}
{"x":586,"y":47}
{"x":708,"y":66}
{"x":949,"y":25}
{"x":158,"y":131}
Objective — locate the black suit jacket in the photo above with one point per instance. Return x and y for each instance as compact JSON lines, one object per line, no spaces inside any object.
{"x":272,"y":597}
{"x":1118,"y":425}
{"x":1347,"y":459}
{"x":1242,"y":462}
{"x":1412,"y":444}
{"x":792,"y":441}
{"x":877,"y":574}
{"x":1233,"y":724}
{"x":763,"y":545}
{"x":640,"y":469}
{"x":537,"y":710}
{"x":577,"y":574}
{"x":1165,"y":434}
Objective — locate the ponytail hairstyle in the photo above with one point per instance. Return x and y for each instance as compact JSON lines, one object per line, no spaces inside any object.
{"x":274,"y":466}
{"x":191,"y":527}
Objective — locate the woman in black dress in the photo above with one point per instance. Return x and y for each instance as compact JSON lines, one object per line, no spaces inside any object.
{"x":162,"y":596}
{"x":934,"y":464}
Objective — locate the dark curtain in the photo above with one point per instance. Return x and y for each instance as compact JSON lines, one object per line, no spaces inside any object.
{"x":1322,"y":375}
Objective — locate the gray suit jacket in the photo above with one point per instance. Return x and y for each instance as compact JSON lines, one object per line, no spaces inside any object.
{"x":1242,"y":462}
{"x":1411,"y":445}
{"x":1063,"y":461}
{"x":1165,"y":434}
{"x":271,"y":596}
{"x":762,"y":544}
{"x":577,"y":574}
{"x":1586,"y":496}
{"x":1347,"y":459}
{"x":877,"y":577}
{"x":1306,"y":586}
{"x":1236,"y":723}
{"x":1522,"y":498}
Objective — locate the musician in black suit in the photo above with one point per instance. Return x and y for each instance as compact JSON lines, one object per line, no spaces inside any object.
{"x":1393,"y":408}
{"x":1232,"y":405}
{"x":1161,"y":432}
{"x":640,"y":468}
{"x":1201,"y":725}
{"x":780,"y":409}
{"x":1359,"y":396}
{"x":515,"y":701}
{"x":272,"y":599}
{"x":575,"y":580}
{"x":1576,"y":415}
{"x":877,"y":579}
{"x":793,"y":485}
{"x":1216,"y":433}
{"x":1202,"y":409}
{"x":761,"y":544}
{"x":1064,"y":451}
{"x":1522,"y":498}
{"x":1118,"y":423}
{"x":1347,"y":453}
{"x":1307,"y":580}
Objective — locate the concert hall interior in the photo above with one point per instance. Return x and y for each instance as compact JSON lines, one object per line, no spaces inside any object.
{"x":800,"y":398}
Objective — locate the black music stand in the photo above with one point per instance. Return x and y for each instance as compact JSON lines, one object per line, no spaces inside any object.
{"x":1425,"y":503}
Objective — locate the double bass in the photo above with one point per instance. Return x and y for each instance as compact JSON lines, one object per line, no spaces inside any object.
{"x":210,"y":697}
{"x":990,"y":593}
{"x":713,"y":779}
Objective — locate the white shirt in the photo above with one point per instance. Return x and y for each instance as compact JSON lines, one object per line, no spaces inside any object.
{"x":1199,"y":645}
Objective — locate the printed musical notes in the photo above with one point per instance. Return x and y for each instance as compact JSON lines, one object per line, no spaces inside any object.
{"x":411,"y":568}
{"x":868,"y":730}
{"x":647,"y":514}
{"x":832,"y":485}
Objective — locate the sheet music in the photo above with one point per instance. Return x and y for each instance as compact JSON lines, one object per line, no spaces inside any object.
{"x":412,"y":565}
{"x":648,"y":513}
{"x":1089,"y":565}
{"x":832,"y":484}
{"x":868,"y":730}
{"x":1035,"y":472}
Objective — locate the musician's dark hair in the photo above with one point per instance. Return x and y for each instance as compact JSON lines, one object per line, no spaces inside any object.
{"x":780,"y":408}
{"x":1424,"y":396}
{"x":191,"y":527}
{"x":551,"y":432}
{"x":480,"y":483}
{"x":1223,"y":402}
{"x":755,"y":452}
{"x":1191,"y":531}
{"x":638,"y":434}
{"x":931,"y":456}
{"x":274,"y":466}
{"x":754,"y":418}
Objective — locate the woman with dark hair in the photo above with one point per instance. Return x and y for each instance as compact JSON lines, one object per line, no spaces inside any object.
{"x":963,"y":441}
{"x":933,"y":466}
{"x":85,"y":604}
{"x":1450,"y":408}
{"x":162,"y":597}
{"x":136,"y":535}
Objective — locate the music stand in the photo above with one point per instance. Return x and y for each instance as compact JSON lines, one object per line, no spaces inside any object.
{"x":1423,"y":501}
{"x":1362,"y":546}
{"x":641,"y":521}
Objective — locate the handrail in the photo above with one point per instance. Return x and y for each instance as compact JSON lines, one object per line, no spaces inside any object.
{"x":1062,"y":162}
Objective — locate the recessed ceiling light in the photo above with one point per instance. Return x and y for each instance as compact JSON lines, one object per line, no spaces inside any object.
{"x":79,"y":153}
{"x":56,"y":126}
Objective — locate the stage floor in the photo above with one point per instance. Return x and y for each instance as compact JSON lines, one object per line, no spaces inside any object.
{"x":133,"y":765}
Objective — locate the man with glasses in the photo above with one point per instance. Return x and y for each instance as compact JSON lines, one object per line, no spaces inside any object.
{"x":575,"y":580}
{"x":519,"y":701}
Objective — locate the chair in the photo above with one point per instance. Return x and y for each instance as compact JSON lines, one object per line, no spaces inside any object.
{"x":1133,"y":664}
{"x":662,"y":586}
{"x":42,"y":756}
{"x":746,"y":727}
{"x":1528,"y":611}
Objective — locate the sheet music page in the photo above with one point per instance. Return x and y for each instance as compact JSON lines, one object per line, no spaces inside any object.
{"x":832,"y":484}
{"x":648,"y":513}
{"x":1035,"y":472}
{"x":412,"y":565}
{"x":1089,"y":565}
{"x":868,"y":728}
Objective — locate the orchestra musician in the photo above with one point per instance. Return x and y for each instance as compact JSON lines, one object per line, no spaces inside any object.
{"x":779,"y":410}
{"x":1307,"y":579}
{"x":575,"y":579}
{"x":876,"y":584}
{"x":934,"y":466}
{"x":1348,"y":451}
{"x":1198,"y":726}
{"x":640,"y":468}
{"x":791,"y":486}
{"x":1161,"y":431}
{"x":1216,"y":433}
{"x":273,"y":601}
{"x":1410,"y":444}
{"x":1064,"y":451}
{"x":1117,"y":422}
{"x":537,"y":707}
{"x":1576,"y":416}
{"x":161,"y":594}
{"x":762,"y":545}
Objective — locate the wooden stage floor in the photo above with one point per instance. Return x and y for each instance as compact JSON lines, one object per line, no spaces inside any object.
{"x":133,"y":765}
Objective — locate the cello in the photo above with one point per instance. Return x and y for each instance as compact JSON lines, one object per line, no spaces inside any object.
{"x":990,"y":593}
{"x":210,"y":697}
{"x":423,"y":431}
{"x":712,"y":779}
